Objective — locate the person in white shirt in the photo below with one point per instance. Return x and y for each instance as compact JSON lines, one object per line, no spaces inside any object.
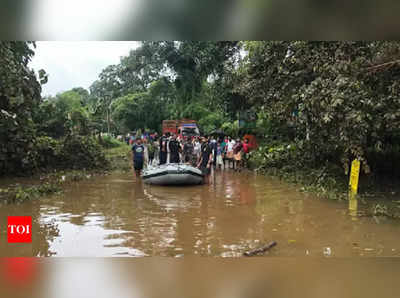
{"x":229,"y":152}
{"x":197,"y":149}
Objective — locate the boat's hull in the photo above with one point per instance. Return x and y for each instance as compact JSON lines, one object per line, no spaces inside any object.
{"x":173,"y":174}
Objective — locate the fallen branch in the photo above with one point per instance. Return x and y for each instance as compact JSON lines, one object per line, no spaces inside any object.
{"x":391,"y":63}
{"x":260,"y":249}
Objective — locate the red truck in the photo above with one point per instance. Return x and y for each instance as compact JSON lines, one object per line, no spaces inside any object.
{"x":182,"y":128}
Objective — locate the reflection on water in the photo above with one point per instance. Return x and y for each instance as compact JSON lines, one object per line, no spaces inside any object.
{"x":205,"y":277}
{"x":117,"y":216}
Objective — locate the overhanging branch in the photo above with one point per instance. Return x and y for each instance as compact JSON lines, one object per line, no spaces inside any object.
{"x":379,"y":66}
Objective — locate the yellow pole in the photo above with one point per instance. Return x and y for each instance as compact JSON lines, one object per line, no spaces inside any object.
{"x":353,"y":187}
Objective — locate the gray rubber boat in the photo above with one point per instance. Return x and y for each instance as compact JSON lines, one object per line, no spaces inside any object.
{"x":173,"y":174}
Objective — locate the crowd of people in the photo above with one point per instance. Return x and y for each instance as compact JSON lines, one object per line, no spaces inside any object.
{"x":203,"y":152}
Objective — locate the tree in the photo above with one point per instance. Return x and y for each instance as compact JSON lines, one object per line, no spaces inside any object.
{"x":63,"y":114}
{"x":138,"y":111}
{"x":341,"y":104}
{"x":104,"y":91}
{"x":19,"y":93}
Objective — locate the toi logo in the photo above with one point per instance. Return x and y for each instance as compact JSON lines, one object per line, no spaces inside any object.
{"x":19,"y":229}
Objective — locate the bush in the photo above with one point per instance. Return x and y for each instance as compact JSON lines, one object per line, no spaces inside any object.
{"x":72,"y":152}
{"x":110,"y":142}
{"x":47,"y":153}
{"x":79,"y":152}
{"x":287,"y":162}
{"x":231,"y":128}
{"x":275,"y":156}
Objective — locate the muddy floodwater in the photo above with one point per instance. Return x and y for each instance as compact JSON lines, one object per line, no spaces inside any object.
{"x":115,"y":215}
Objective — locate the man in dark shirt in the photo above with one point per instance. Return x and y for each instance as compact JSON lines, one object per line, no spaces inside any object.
{"x":138,"y":157}
{"x":206,"y":158}
{"x":214,"y":148}
{"x":188,"y":151}
{"x":163,"y":149}
{"x":174,"y":150}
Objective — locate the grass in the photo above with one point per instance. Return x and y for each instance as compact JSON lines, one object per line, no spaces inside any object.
{"x":119,"y":158}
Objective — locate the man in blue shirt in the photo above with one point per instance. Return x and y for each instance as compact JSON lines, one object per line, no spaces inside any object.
{"x":138,"y":156}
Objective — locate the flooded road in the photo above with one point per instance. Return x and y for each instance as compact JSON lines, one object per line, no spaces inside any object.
{"x":116,"y":216}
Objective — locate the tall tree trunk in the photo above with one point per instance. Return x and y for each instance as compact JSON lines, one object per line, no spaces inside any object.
{"x":108,"y":121}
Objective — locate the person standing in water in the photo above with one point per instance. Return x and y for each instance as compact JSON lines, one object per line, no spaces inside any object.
{"x":197,"y":149}
{"x":219,"y":159}
{"x":138,"y":157}
{"x":245,"y":150}
{"x":151,"y":152}
{"x":163,"y":149}
{"x":223,"y":150}
{"x":175,"y":149}
{"x":229,"y":155}
{"x":214,"y":145}
{"x":206,"y":158}
{"x":188,"y":151}
{"x":237,"y":157}
{"x":156,"y":145}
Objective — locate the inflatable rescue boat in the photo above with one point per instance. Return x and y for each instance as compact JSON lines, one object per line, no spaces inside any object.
{"x":173,"y":174}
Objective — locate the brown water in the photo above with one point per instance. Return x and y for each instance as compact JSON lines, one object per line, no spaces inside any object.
{"x":117,"y":216}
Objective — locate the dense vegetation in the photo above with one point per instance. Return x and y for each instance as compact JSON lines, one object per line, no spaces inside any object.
{"x":341,"y":100}
{"x":38,"y":134}
{"x":312,"y":104}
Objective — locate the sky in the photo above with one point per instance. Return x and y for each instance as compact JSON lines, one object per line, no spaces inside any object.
{"x":76,"y":64}
{"x":78,"y":20}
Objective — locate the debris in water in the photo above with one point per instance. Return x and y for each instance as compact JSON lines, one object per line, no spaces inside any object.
{"x":307,"y":252}
{"x":291,"y":241}
{"x":368,"y":249}
{"x":260,"y":250}
{"x":376,"y":220}
{"x":63,"y":178}
{"x":327,"y":251}
{"x":274,"y":230}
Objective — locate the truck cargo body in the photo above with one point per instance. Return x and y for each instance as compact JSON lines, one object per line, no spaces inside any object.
{"x":182,"y":128}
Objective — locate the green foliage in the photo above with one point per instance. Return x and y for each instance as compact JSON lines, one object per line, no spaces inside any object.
{"x":276,"y":156}
{"x":211,"y":122}
{"x":72,"y":152}
{"x":140,"y":110}
{"x":48,"y":153}
{"x":231,"y":128}
{"x":333,"y":101}
{"x":119,"y":158}
{"x":286,"y":162}
{"x":20,"y":194}
{"x":167,"y":77}
{"x":110,"y":142}
{"x":337,"y":105}
{"x":63,"y":114}
{"x":82,"y":152}
{"x":19,"y":94}
{"x":51,"y":119}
